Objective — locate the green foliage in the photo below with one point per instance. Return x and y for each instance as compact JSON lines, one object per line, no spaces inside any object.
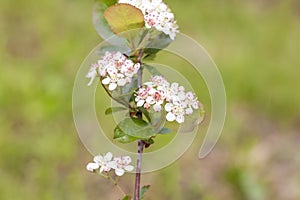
{"x":108,"y":2}
{"x":165,"y":131}
{"x":137,"y":128}
{"x":100,"y":24}
{"x":152,"y":70}
{"x":111,"y":110}
{"x":143,"y":190}
{"x":124,"y":17}
{"x":122,"y":137}
{"x":128,"y":89}
{"x":156,"y":42}
{"x":127,"y":197}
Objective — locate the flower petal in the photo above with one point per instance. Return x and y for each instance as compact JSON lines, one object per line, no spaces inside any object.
{"x":92,"y":166}
{"x":168,"y":107}
{"x":106,"y":81}
{"x":127,"y":159}
{"x":119,"y":172}
{"x":101,"y":169}
{"x":129,"y":168}
{"x":140,"y":103}
{"x":157,"y":107}
{"x":170,"y":117}
{"x":91,"y":81}
{"x":112,"y":164}
{"x":108,"y":156}
{"x":121,"y":82}
{"x":112,"y":86}
{"x":180,"y":119}
{"x":98,"y":159}
{"x":189,"y":111}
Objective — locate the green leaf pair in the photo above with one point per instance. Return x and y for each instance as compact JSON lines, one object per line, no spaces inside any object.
{"x":131,"y":129}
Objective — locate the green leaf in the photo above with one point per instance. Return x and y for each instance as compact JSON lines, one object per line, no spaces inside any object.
{"x":111,"y":110}
{"x":108,"y":2}
{"x":157,"y":42}
{"x":148,"y":142}
{"x":127,"y":197}
{"x":121,"y":137}
{"x":124,"y":17}
{"x":137,"y":128}
{"x":158,"y":120}
{"x":130,"y":87}
{"x":143,"y":190}
{"x":113,"y":48}
{"x":146,"y":113}
{"x":165,"y":130}
{"x":152,"y":70}
{"x":102,"y":27}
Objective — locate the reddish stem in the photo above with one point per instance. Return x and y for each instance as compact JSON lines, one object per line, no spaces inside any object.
{"x":140,"y":142}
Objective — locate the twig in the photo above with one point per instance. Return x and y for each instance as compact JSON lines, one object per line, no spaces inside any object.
{"x":140,"y":142}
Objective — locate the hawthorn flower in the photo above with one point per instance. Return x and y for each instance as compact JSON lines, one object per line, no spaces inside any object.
{"x":152,"y":94}
{"x":92,"y":74}
{"x":114,"y":69}
{"x":105,"y":163}
{"x":159,"y":93}
{"x":175,"y":111}
{"x":122,"y":164}
{"x":157,"y":15}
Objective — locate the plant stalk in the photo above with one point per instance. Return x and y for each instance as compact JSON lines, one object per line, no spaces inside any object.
{"x":138,"y":170}
{"x":140,"y":142}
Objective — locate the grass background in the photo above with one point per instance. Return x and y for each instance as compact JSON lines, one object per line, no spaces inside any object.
{"x":256,"y":46}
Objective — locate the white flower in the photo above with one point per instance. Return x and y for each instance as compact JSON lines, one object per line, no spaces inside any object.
{"x":121,"y":165}
{"x":191,"y":100}
{"x":175,"y":112}
{"x":158,"y":92}
{"x":92,"y":73}
{"x":92,"y":166}
{"x":115,"y":70}
{"x":157,"y":15}
{"x":152,"y":94}
{"x":105,"y":163}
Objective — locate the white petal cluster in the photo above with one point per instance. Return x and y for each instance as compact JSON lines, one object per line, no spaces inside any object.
{"x":157,"y":15}
{"x":160,"y":93}
{"x":105,"y":163}
{"x":115,"y":70}
{"x":121,"y":165}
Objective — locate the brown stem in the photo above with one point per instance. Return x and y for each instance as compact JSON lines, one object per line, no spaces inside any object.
{"x":138,"y":170}
{"x":140,"y":142}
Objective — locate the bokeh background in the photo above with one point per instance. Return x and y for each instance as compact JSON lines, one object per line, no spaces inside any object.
{"x":255,"y":43}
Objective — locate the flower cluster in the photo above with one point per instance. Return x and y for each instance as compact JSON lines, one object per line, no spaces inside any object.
{"x":115,"y":69}
{"x":177,"y":102}
{"x":105,"y":163}
{"x":157,"y":15}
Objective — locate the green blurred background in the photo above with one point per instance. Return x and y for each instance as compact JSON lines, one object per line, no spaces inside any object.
{"x":255,"y":43}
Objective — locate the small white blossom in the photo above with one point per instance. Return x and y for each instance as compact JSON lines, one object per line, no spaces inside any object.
{"x":122,"y":165}
{"x":92,"y":74}
{"x":177,"y":103}
{"x":152,"y":94}
{"x":105,"y":163}
{"x":175,"y":112}
{"x":115,"y":70}
{"x":157,"y":15}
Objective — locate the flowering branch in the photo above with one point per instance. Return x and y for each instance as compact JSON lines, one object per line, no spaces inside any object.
{"x":123,"y":74}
